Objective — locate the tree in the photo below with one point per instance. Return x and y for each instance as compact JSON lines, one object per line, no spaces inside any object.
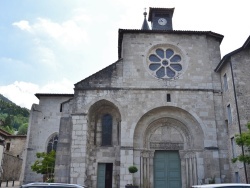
{"x":8,"y":129}
{"x":9,"y":121}
{"x":23,"y":129}
{"x":45,"y":164}
{"x":243,"y":140}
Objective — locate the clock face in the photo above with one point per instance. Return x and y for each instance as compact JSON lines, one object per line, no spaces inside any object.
{"x":162,"y":21}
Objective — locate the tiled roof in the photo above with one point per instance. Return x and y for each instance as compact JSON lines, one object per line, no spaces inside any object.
{"x":38,"y":95}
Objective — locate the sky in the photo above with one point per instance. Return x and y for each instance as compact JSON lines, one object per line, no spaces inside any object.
{"x":46,"y":46}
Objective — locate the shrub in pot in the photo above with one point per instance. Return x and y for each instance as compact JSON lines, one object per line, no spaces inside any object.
{"x":132,"y":169}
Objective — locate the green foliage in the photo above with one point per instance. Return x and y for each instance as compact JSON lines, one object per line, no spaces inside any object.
{"x":9,"y":120}
{"x":12,"y":109}
{"x":8,"y":129}
{"x":45,"y":163}
{"x":12,"y":116}
{"x":5,"y":99}
{"x":243,"y":140}
{"x":132,"y":169}
{"x":212,"y":180}
{"x":23,"y":129}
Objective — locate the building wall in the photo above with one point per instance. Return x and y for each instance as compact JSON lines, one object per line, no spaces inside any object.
{"x":237,"y":78}
{"x":240,"y":65}
{"x":138,"y":102}
{"x":200,"y":54}
{"x":11,"y":167}
{"x":17,"y":145}
{"x":135,"y":93}
{"x":43,"y":124}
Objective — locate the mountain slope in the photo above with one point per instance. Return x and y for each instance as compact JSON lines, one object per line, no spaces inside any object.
{"x":5,"y":99}
{"x":12,"y":116}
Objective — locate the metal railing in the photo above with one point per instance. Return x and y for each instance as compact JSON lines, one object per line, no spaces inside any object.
{"x":9,"y":183}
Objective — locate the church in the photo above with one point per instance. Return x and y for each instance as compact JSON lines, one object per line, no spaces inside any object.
{"x":170,"y":105}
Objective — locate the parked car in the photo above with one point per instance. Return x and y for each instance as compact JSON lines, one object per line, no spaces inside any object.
{"x":224,"y":185}
{"x":51,"y":185}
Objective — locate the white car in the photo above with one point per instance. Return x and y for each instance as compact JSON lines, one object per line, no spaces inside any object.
{"x":51,"y":185}
{"x":225,"y":185}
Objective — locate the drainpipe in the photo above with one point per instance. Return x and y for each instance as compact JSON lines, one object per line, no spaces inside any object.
{"x":238,"y":117}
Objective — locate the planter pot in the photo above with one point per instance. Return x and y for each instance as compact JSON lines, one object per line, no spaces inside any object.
{"x":131,"y":186}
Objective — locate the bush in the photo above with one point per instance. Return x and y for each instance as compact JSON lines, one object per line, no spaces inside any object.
{"x":132,"y":169}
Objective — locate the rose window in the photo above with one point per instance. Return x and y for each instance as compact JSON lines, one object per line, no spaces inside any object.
{"x":165,"y":63}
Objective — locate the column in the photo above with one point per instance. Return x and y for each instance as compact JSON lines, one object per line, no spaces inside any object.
{"x":79,"y":148}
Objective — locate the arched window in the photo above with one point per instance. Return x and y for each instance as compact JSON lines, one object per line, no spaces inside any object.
{"x":52,"y":144}
{"x":107,"y":130}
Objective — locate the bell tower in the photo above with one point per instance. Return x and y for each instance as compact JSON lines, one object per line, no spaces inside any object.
{"x":161,"y":18}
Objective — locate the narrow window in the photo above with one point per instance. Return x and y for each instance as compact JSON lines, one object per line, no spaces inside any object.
{"x":233,"y":147}
{"x":107,"y":130}
{"x":52,"y":144}
{"x":225,"y":82}
{"x":60,"y":107}
{"x":237,"y":177}
{"x":168,"y":98}
{"x":8,"y":146}
{"x":229,"y":114}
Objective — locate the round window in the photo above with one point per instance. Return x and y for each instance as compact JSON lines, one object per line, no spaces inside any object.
{"x":165,"y":62}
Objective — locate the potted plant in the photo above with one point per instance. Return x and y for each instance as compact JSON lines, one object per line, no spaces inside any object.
{"x":132,"y":169}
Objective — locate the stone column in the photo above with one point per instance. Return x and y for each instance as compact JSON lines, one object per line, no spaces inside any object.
{"x":62,"y":164}
{"x":79,"y":148}
{"x":189,"y":169}
{"x":147,"y":169}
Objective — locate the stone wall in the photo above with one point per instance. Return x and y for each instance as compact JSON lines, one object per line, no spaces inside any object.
{"x":43,"y":124}
{"x":237,"y":78}
{"x":17,"y":145}
{"x":11,"y":166}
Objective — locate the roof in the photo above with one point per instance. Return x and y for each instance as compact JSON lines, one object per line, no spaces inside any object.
{"x":163,"y":10}
{"x":105,"y":71}
{"x":49,"y":185}
{"x":38,"y":95}
{"x":217,"y":36}
{"x":233,"y":185}
{"x":4,"y":133}
{"x":229,"y":55}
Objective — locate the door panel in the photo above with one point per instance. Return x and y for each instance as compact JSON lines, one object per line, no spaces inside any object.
{"x":101,"y":175}
{"x":104,"y":175}
{"x":167,"y":170}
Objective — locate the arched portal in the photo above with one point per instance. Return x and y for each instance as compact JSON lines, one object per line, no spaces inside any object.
{"x":104,"y":122}
{"x":166,"y":143}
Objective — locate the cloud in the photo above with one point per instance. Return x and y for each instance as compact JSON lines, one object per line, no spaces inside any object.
{"x":22,"y":93}
{"x":63,"y":86}
{"x":23,"y":25}
{"x":70,"y":33}
{"x":56,"y":47}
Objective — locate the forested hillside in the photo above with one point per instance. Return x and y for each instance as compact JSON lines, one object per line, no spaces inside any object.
{"x":13,"y":118}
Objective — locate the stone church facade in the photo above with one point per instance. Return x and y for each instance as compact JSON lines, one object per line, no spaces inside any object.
{"x":169,"y":106}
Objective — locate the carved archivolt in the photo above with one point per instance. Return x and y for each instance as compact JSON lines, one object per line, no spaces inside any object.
{"x":167,"y":133}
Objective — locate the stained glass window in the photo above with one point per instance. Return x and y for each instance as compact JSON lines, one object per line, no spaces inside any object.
{"x":107,"y":130}
{"x":165,"y":63}
{"x":52,"y":144}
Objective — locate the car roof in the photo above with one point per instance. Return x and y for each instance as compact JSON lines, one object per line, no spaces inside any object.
{"x":221,"y":185}
{"x":52,"y":184}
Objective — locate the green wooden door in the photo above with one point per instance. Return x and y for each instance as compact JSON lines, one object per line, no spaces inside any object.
{"x":101,"y":175}
{"x":167,"y":169}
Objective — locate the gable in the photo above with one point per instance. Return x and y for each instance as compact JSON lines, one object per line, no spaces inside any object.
{"x":105,"y":78}
{"x":225,"y":59}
